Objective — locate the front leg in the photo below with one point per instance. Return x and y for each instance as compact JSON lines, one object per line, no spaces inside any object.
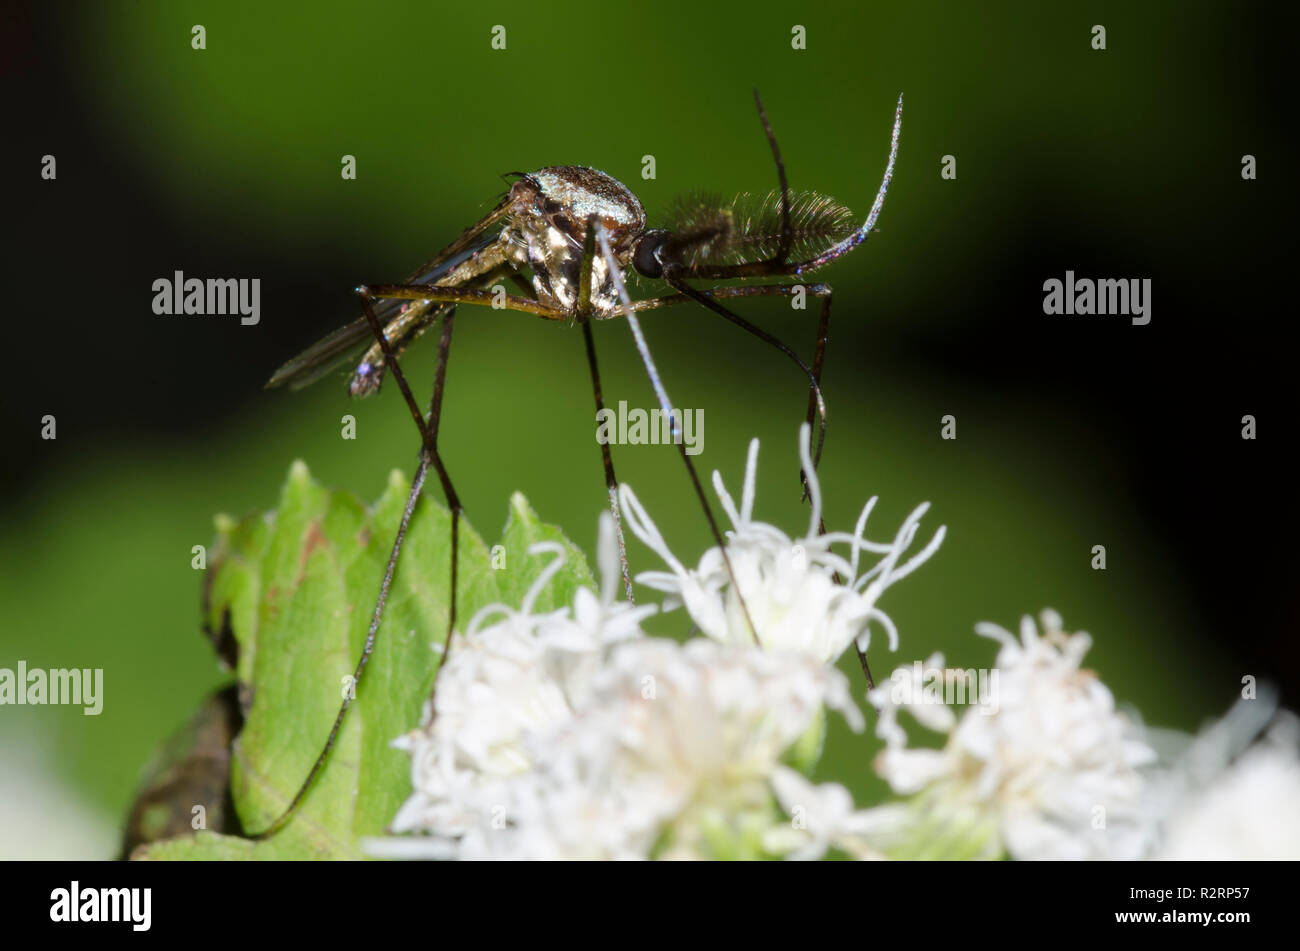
{"x":460,"y":295}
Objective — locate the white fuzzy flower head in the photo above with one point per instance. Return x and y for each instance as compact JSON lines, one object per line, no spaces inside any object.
{"x":503,"y":683}
{"x":789,"y":585}
{"x":1043,"y":762}
{"x":672,"y":755}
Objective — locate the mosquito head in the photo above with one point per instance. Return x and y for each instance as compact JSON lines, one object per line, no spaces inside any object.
{"x":645,"y":255}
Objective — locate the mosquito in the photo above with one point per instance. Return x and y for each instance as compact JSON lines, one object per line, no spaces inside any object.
{"x":564,"y":236}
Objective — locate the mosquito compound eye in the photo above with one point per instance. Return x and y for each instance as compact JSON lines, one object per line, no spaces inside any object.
{"x":643,"y":258}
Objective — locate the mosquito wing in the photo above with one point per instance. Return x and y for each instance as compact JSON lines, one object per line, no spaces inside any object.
{"x":324,"y":356}
{"x":349,"y":342}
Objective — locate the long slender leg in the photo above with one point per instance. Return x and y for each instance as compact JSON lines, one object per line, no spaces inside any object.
{"x":584,"y":317}
{"x":676,"y":282}
{"x":709,"y":298}
{"x":814,"y":393}
{"x":417,"y":485}
{"x":401,"y":331}
{"x":428,"y":432}
{"x":819,"y":358}
{"x":611,"y":480}
{"x":765,"y":290}
{"x":731,"y":293}
{"x":666,"y":406}
{"x":461,"y":295}
{"x":453,"y":500}
{"x":429,"y":437}
{"x":428,"y":455}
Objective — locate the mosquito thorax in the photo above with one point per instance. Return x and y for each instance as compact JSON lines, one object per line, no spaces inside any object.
{"x":550,"y":209}
{"x":568,"y":195}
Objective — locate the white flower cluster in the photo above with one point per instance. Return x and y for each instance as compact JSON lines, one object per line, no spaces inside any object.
{"x":1042,"y":766}
{"x":574,"y":734}
{"x":671,"y":755}
{"x":1044,"y":761}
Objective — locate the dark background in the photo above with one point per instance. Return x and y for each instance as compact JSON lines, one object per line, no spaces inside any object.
{"x":1073,"y":431}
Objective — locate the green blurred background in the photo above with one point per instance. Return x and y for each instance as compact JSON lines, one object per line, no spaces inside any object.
{"x":1071,"y":432}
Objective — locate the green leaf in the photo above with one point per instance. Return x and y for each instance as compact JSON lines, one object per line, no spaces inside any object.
{"x":211,"y":847}
{"x":296,"y":590}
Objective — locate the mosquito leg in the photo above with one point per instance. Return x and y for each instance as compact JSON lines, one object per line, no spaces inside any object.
{"x":461,"y":295}
{"x":401,"y":331}
{"x":584,"y":317}
{"x":402,"y":325}
{"x":666,"y":406}
{"x":709,"y":298}
{"x":730,"y":293}
{"x":430,"y":435}
{"x":819,"y":357}
{"x":675,"y":282}
{"x":417,"y":485}
{"x":611,"y":480}
{"x":453,"y":500}
{"x":778,"y":290}
{"x":429,"y":439}
{"x":428,"y":455}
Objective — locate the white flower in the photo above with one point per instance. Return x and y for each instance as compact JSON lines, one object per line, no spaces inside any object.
{"x":672,"y":755}
{"x":1046,"y":758}
{"x":1220,"y":803}
{"x":790,"y":588}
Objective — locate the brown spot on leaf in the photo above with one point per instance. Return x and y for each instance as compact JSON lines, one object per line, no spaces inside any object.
{"x":315,"y":539}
